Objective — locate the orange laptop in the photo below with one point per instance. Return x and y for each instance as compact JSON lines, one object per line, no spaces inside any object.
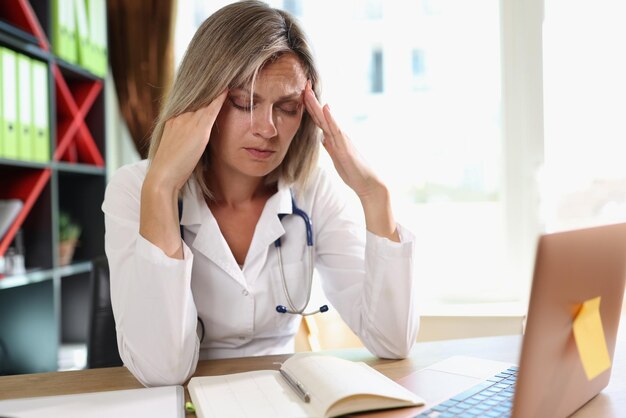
{"x":571,"y":268}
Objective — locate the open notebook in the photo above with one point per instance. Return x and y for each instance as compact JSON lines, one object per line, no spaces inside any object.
{"x":333,"y":387}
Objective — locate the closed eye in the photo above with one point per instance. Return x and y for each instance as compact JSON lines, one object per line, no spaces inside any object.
{"x":240,"y":103}
{"x":289,"y":111}
{"x":290,"y":108}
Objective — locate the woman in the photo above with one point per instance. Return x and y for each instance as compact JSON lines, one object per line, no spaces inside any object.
{"x":237,"y":143}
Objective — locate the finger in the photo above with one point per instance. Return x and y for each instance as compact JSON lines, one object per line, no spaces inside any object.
{"x":333,"y":127}
{"x":320,"y":121}
{"x":311,"y":107}
{"x":209,"y":113}
{"x":315,"y":109}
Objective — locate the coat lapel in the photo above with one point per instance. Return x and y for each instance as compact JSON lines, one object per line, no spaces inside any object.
{"x":208,"y":239}
{"x":267,"y":231}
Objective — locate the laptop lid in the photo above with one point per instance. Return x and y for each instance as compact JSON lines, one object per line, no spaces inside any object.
{"x":570,"y":268}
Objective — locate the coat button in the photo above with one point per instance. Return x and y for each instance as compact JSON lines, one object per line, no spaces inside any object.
{"x":244,"y":292}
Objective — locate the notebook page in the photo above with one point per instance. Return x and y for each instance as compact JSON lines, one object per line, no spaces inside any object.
{"x":259,"y":394}
{"x":342,"y":378}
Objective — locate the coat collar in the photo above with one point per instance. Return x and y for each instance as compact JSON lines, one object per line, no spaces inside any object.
{"x":195,"y":209}
{"x":210,"y":242}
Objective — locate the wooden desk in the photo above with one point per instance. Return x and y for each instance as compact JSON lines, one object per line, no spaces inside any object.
{"x":610,"y":403}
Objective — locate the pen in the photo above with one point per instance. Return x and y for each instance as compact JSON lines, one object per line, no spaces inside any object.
{"x":296,"y":386}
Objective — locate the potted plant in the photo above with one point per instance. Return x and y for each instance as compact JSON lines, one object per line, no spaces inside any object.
{"x":69,"y":232}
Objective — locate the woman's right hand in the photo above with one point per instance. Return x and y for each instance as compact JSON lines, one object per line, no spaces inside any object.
{"x":184,"y":139}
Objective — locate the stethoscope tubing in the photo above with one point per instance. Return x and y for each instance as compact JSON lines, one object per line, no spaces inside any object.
{"x":309,"y":284}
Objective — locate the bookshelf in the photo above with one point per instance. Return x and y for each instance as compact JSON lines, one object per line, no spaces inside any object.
{"x":47,"y":306}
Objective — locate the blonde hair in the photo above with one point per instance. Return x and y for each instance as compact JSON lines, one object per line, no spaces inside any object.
{"x":228,"y":50}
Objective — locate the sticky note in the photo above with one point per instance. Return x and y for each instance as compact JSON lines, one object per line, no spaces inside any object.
{"x":589,"y":336}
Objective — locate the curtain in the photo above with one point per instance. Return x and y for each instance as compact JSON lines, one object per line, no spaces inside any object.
{"x":141,"y":54}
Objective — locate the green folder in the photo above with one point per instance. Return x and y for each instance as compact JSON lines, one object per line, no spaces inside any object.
{"x":1,"y":106}
{"x":24,"y":108}
{"x":82,"y":34}
{"x":103,"y":53}
{"x":64,"y":30}
{"x":96,"y":15}
{"x":41,"y":140}
{"x":8,"y":129}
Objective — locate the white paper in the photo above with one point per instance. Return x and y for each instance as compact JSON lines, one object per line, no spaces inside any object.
{"x":161,"y":402}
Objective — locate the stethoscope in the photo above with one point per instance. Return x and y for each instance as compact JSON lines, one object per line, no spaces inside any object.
{"x":309,"y":284}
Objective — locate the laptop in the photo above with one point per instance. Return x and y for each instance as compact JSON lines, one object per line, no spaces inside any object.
{"x":570,"y":268}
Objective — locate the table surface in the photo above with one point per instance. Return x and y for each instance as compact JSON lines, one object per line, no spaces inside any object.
{"x":611,"y":402}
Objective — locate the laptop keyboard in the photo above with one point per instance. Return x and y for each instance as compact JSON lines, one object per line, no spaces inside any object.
{"x":492,"y":398}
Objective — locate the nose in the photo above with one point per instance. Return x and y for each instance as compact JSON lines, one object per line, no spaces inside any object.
{"x":263,"y":124}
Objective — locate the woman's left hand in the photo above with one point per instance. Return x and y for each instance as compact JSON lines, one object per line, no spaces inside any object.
{"x":350,"y":166}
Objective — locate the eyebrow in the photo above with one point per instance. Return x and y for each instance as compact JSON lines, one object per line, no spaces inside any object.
{"x":286,"y":98}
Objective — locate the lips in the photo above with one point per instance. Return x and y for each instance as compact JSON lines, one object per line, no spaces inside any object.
{"x":260,"y":153}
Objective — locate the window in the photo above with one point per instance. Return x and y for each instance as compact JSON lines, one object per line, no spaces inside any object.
{"x":443,"y":99}
{"x":418,"y":66}
{"x":376,"y":72}
{"x":584,"y":178}
{"x":293,"y":6}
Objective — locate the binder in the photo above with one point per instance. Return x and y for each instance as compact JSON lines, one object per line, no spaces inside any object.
{"x":24,"y":108}
{"x":40,"y":101}
{"x":92,"y":43}
{"x":8,"y":131}
{"x":82,"y":33}
{"x":1,"y":106}
{"x":96,"y":14}
{"x":64,"y":30}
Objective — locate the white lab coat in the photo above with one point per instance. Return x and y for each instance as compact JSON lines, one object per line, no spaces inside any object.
{"x":156,"y":299}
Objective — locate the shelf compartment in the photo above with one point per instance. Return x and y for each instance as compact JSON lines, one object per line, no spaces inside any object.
{"x":29,"y":329}
{"x":22,"y":17}
{"x":75,"y":308}
{"x":74,"y":98}
{"x":85,"y":210}
{"x":37,"y":232}
{"x":27,"y":187}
